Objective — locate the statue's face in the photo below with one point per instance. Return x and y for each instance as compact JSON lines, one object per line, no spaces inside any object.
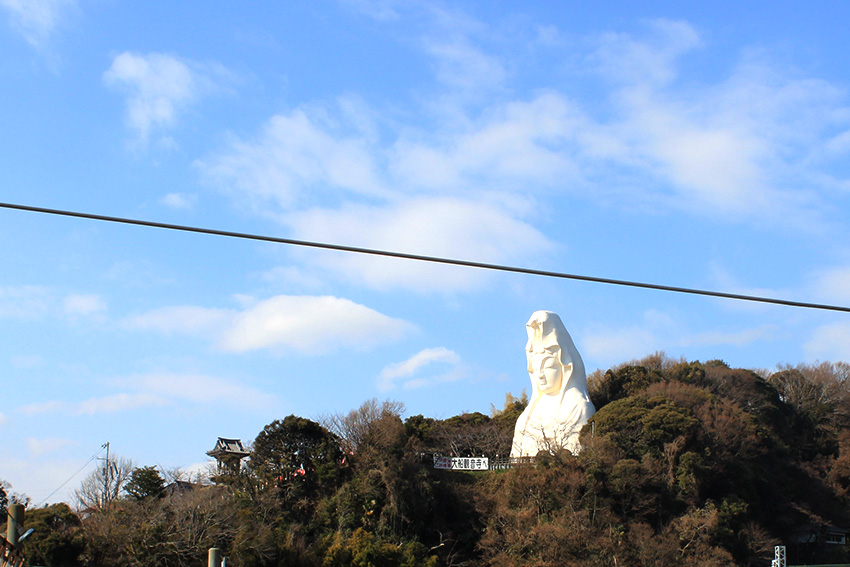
{"x":546,"y":371}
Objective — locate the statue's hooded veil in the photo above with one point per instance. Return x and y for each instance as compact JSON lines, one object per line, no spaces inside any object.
{"x":563,"y":413}
{"x":546,"y":330}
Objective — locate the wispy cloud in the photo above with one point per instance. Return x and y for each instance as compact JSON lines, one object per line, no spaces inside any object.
{"x":157,"y":390}
{"x":49,"y":445}
{"x":443,"y":227}
{"x":300,"y":161}
{"x":739,"y":148}
{"x":117,"y":402}
{"x":36,"y":20}
{"x":179,"y":201}
{"x":311,"y":325}
{"x":159,"y":87}
{"x":833,"y":284}
{"x":735,"y":338}
{"x":87,"y":304}
{"x":25,"y":302}
{"x":409,"y":371}
{"x":32,"y":302}
{"x":296,"y":155}
{"x":829,"y":342}
{"x":112,"y":403}
{"x":659,"y":331}
{"x":201,"y":389}
{"x":39,"y":408}
{"x":187,"y":320}
{"x":609,"y":345}
{"x":302,"y":323}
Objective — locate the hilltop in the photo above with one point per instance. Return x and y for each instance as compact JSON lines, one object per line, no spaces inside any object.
{"x":684,"y":463}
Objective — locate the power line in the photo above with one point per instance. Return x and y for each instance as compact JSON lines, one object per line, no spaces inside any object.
{"x":432,"y":259}
{"x":93,"y":457}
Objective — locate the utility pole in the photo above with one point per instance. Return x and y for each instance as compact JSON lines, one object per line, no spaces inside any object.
{"x":107,"y":474}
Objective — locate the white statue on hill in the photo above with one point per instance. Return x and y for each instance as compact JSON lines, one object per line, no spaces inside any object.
{"x":559,"y":404}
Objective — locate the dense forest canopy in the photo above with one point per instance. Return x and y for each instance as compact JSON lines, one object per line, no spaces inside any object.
{"x":684,"y":463}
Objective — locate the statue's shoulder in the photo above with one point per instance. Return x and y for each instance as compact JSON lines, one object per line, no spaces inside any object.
{"x":575,"y":406}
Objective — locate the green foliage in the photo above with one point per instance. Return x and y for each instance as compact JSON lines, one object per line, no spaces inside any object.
{"x":299,"y":456}
{"x":145,"y":482}
{"x":684,"y":464}
{"x":58,"y":540}
{"x":617,"y":384}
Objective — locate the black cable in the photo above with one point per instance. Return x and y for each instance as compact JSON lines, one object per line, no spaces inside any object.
{"x":93,"y":457}
{"x":433,"y":259}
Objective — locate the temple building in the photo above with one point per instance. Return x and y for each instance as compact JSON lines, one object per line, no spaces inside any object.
{"x":228,"y":454}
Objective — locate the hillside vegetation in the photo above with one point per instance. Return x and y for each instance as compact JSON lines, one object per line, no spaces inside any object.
{"x":684,"y":463}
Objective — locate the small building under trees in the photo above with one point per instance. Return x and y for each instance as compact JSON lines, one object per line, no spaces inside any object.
{"x":228,"y":454}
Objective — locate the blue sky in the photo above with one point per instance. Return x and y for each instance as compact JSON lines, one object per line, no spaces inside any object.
{"x":696,"y":146}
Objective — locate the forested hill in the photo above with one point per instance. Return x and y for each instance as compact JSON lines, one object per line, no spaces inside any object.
{"x":684,"y":463}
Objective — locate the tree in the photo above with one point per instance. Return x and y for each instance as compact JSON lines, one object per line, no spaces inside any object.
{"x":103,"y":485}
{"x":297,"y":453}
{"x":356,"y":426}
{"x":57,"y":539}
{"x":145,"y":482}
{"x":8,"y":497}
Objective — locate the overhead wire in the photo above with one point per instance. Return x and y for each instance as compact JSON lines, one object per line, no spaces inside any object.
{"x":424,"y":258}
{"x":93,"y":457}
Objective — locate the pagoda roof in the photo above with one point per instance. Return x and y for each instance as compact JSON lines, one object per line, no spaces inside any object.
{"x":225,"y":446}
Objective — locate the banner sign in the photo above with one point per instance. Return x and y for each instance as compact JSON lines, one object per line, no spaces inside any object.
{"x":462,"y":463}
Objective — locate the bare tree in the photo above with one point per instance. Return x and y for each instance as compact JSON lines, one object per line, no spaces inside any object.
{"x":104,"y":484}
{"x":356,"y":426}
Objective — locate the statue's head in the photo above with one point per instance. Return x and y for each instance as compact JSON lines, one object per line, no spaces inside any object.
{"x":554,"y":363}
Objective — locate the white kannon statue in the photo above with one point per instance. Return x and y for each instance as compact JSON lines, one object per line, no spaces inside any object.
{"x":559,"y":404}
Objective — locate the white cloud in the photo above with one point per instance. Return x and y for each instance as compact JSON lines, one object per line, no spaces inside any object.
{"x":462,"y":65}
{"x":441,"y":227}
{"x":310,"y":324}
{"x":156,"y":390}
{"x":296,"y":153}
{"x":739,"y":338}
{"x":158,"y":88}
{"x":529,"y":144}
{"x":25,"y":302}
{"x":44,"y":408}
{"x":96,"y":405}
{"x":183,"y":320}
{"x":610,"y":346}
{"x":201,"y":389}
{"x":83,"y":305}
{"x":36,"y":20}
{"x":830,"y":342}
{"x":730,"y":283}
{"x":117,"y":403}
{"x":739,"y":148}
{"x":3,"y":419}
{"x":833,"y":284}
{"x":652,"y":59}
{"x":407,"y":370}
{"x":179,"y":201}
{"x":43,"y":446}
{"x":38,"y":476}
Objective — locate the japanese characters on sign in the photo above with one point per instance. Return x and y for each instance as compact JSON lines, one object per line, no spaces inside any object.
{"x":462,"y":463}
